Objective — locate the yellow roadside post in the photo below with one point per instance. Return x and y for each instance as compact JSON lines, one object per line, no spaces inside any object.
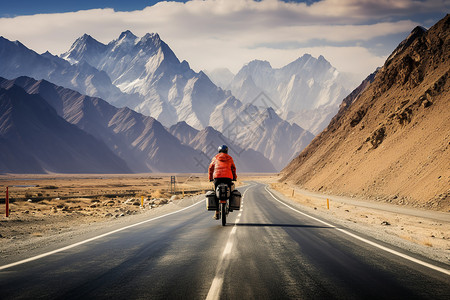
{"x":328,"y":203}
{"x":142,"y":201}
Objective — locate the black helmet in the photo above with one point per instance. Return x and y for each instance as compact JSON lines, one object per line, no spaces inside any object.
{"x":223,"y":149}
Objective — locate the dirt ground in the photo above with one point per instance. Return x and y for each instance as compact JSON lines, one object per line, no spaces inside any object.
{"x":43,"y":205}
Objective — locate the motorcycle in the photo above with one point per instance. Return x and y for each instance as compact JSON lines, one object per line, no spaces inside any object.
{"x":227,"y":198}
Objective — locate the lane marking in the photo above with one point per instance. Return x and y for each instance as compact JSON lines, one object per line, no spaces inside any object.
{"x":233,"y":231}
{"x":92,"y":239}
{"x":227,"y":249}
{"x":418,"y":261}
{"x":216,"y":285}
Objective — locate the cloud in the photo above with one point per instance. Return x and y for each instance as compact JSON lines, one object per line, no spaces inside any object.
{"x":228,"y":33}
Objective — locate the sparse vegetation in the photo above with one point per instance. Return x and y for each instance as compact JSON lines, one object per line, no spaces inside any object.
{"x":49,"y":187}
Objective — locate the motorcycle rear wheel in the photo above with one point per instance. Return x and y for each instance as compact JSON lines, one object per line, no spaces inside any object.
{"x":224,"y":214}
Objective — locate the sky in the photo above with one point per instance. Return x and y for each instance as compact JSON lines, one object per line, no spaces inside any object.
{"x":355,"y":36}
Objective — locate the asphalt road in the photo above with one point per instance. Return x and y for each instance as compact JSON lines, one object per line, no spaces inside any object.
{"x":266,"y":251}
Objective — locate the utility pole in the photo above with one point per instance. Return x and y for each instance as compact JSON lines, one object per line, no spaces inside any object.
{"x":172,"y":185}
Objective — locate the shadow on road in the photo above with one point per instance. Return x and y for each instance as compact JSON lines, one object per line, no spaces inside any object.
{"x":279,"y":225}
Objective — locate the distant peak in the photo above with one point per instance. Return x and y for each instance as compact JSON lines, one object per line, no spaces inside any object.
{"x":85,"y":39}
{"x":209,"y":129}
{"x":416,"y":33}
{"x":324,"y":61}
{"x":305,"y":57}
{"x":182,"y":124}
{"x":48,"y":55}
{"x":261,"y":63}
{"x":418,"y":30}
{"x":127,"y":35}
{"x":150,"y":37}
{"x":272,"y":114}
{"x":185,"y":65}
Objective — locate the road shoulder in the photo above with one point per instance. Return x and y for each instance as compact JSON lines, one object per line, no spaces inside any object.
{"x":75,"y":230}
{"x":420,"y":235}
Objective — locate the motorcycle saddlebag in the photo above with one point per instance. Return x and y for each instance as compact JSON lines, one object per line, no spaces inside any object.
{"x":235,"y":200}
{"x":211,"y":200}
{"x":223,"y":191}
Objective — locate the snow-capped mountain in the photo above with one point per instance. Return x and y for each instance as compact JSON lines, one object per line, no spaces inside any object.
{"x":17,"y":60}
{"x":154,"y":82}
{"x":208,"y":140}
{"x":307,"y":91}
{"x":170,"y":89}
{"x":85,"y":48}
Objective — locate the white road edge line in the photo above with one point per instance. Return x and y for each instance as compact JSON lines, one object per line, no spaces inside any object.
{"x":91,"y":239}
{"x":216,"y":285}
{"x":436,"y":268}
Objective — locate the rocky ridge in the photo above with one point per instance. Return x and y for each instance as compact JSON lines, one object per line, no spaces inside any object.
{"x":391,"y":141}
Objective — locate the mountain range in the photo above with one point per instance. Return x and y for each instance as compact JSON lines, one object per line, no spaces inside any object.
{"x":390,"y":138}
{"x":151,"y":80}
{"x":17,"y":60}
{"x":307,"y":91}
{"x":170,"y":91}
{"x":141,"y":141}
{"x":35,"y":139}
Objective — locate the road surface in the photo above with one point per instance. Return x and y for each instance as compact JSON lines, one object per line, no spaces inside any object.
{"x":268,"y":250}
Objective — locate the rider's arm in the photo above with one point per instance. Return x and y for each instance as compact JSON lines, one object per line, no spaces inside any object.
{"x":211,"y":169}
{"x":233,"y":170}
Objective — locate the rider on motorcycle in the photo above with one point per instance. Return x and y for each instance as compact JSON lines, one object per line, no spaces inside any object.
{"x":222,"y":170}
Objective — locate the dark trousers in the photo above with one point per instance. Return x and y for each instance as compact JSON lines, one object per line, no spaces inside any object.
{"x":218,"y":181}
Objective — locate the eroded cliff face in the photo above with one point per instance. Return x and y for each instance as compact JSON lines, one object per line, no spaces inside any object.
{"x":390,"y":138}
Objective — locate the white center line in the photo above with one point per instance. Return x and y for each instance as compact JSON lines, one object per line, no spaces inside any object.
{"x":216,"y":285}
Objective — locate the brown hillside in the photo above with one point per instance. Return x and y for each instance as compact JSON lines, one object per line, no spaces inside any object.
{"x":390,"y":139}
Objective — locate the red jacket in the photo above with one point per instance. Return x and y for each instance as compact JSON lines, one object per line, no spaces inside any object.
{"x":222,"y":166}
